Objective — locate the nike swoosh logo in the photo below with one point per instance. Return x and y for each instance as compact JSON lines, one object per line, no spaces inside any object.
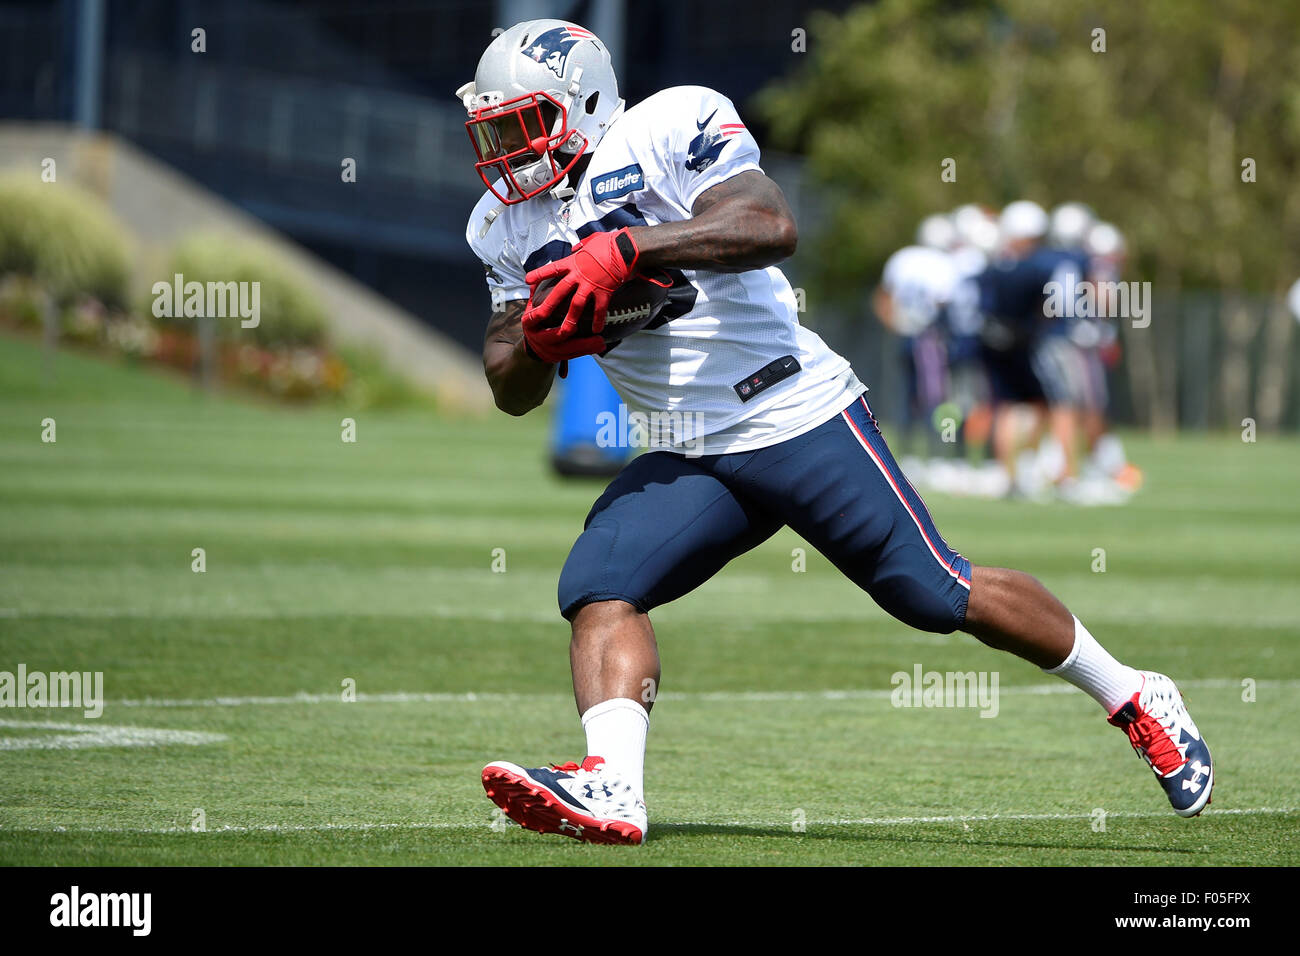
{"x":700,"y":126}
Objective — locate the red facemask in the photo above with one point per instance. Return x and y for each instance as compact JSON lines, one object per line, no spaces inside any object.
{"x":513,"y":145}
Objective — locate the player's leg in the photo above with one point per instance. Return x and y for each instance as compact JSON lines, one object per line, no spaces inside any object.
{"x":1014,"y":391}
{"x":930,"y":357}
{"x":1096,"y":398}
{"x":844,"y":493}
{"x":1006,"y":433}
{"x":1106,"y":454}
{"x":969,"y":395}
{"x":613,"y":655}
{"x":663,"y":527}
{"x":909,"y":408}
{"x":855,"y":506}
{"x":1011,"y":611}
{"x":1058,"y":365}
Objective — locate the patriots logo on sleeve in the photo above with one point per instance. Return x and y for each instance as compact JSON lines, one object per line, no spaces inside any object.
{"x":704,"y":149}
{"x":552,"y":47}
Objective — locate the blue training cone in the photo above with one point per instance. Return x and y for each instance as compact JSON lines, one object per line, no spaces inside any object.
{"x":581,"y":432}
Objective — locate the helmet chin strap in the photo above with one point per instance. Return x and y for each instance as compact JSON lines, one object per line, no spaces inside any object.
{"x":490,"y":218}
{"x":563,"y":191}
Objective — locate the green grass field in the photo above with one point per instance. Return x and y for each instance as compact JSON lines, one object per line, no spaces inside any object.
{"x":372,"y":562}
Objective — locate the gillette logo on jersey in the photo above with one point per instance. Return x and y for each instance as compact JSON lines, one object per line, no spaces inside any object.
{"x":618,"y":183}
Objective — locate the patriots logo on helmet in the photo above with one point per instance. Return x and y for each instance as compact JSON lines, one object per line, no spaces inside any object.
{"x":552,"y":47}
{"x":704,"y":149}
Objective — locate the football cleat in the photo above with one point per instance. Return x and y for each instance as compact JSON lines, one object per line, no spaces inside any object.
{"x":1162,"y":733}
{"x":584,"y":801}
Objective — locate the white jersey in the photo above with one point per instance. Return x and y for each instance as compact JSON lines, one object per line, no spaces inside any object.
{"x":921,"y":281}
{"x":721,"y":330}
{"x":969,"y":261}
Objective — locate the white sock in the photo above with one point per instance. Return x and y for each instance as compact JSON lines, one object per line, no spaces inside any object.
{"x":1091,"y":669}
{"x":616,"y":731}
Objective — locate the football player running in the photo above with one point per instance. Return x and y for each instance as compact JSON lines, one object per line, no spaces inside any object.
{"x":766,"y":425}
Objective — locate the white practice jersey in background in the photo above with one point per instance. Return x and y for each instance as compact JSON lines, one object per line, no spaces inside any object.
{"x":921,"y":281}
{"x":722,"y":328}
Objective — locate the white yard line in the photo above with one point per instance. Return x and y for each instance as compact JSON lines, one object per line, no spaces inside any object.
{"x":667,"y":825}
{"x":89,"y":735}
{"x":471,"y":697}
{"x":497,"y":615}
{"x":993,"y":817}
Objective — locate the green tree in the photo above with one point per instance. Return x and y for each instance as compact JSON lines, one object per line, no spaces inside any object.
{"x":1152,"y":133}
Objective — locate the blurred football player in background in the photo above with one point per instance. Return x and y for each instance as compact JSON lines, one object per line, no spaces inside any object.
{"x":977,"y":243}
{"x":1098,"y":339}
{"x":1011,"y":294}
{"x":916,"y":288}
{"x":1016,"y":323}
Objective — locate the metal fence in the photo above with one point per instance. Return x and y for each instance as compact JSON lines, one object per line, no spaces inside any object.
{"x":290,"y":123}
{"x":1208,"y":360}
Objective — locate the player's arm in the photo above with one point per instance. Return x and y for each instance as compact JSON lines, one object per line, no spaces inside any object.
{"x":883,"y":304}
{"x":519,"y":382}
{"x":740,"y":224}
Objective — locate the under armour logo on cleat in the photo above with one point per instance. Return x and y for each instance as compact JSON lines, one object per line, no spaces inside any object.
{"x":590,"y":791}
{"x":567,"y":827}
{"x":1194,"y":784}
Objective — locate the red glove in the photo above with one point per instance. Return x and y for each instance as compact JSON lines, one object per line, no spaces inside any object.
{"x":554,"y":345}
{"x":592,"y":273}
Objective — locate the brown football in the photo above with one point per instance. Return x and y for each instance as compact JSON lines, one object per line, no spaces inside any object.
{"x":635,"y":305}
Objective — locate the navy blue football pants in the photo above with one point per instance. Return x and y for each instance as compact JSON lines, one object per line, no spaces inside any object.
{"x":667,"y":523}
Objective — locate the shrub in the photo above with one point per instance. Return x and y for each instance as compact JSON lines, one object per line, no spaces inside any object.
{"x":65,"y":238}
{"x":289,"y":314}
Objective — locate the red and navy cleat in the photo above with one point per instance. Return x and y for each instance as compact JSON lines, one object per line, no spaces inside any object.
{"x":1162,"y":733}
{"x":584,"y":801}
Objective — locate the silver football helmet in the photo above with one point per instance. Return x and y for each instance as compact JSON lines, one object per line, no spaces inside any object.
{"x":1104,"y":241}
{"x":543,"y":95}
{"x":937,"y":232}
{"x":1069,"y":224}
